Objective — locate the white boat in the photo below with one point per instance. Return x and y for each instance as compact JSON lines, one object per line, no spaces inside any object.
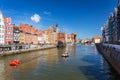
{"x":65,"y":55}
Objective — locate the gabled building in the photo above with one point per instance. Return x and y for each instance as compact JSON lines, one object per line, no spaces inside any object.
{"x":16,"y":34}
{"x":73,"y":37}
{"x":96,"y":39}
{"x":61,"y":39}
{"x":52,"y":34}
{"x":8,"y":30}
{"x":40,"y":37}
{"x":2,"y":29}
{"x":28,"y":34}
{"x":68,"y":39}
{"x":45,"y":36}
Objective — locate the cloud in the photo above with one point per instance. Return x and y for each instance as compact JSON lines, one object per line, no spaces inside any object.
{"x":47,"y":13}
{"x":36,"y":18}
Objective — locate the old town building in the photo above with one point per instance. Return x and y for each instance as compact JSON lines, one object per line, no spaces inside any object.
{"x":73,"y":37}
{"x":96,"y":39}
{"x":16,"y":34}
{"x":61,"y":39}
{"x":2,"y":29}
{"x":8,"y":30}
{"x":49,"y":36}
{"x":40,"y":37}
{"x":52,"y":34}
{"x":68,"y":39}
{"x":28,"y":34}
{"x":45,"y":39}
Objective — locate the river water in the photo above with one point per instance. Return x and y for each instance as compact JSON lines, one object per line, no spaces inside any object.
{"x":84,"y":63}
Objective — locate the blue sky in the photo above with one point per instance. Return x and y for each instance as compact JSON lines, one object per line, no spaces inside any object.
{"x":85,"y":17}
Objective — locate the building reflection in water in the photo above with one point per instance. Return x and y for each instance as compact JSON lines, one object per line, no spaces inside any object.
{"x":2,"y":68}
{"x":71,"y":50}
{"x":29,"y":63}
{"x":52,"y":56}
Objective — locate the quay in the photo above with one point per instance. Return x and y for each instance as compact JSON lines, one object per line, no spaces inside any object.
{"x":18,"y":51}
{"x":111,"y":53}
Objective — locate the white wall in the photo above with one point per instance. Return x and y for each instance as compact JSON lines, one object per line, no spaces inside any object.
{"x":97,"y":40}
{"x":2,"y":29}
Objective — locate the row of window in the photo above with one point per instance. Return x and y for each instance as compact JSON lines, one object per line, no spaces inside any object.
{"x":1,"y":36}
{"x":9,"y":28}
{"x":9,"y":37}
{"x":1,"y":39}
{"x":9,"y":32}
{"x":1,"y":31}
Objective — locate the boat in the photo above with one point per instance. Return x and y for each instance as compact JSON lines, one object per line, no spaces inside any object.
{"x":14,"y":63}
{"x":65,"y":54}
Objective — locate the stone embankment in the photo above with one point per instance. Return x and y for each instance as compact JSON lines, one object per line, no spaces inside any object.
{"x":111,"y":53}
{"x":5,"y":53}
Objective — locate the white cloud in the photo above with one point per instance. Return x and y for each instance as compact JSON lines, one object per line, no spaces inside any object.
{"x":36,"y":18}
{"x":47,"y":13}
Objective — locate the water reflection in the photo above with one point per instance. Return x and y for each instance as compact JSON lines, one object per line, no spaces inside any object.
{"x":83,"y":63}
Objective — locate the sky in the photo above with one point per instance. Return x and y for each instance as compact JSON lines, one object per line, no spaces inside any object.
{"x":85,"y":17}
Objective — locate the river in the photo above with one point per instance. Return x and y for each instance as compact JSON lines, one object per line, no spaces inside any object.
{"x":84,"y":63}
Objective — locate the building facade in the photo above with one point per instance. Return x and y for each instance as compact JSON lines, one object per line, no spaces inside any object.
{"x":111,"y":29}
{"x":16,"y":35}
{"x":97,"y":39}
{"x":28,"y":34}
{"x":8,"y":30}
{"x":52,"y":34}
{"x":73,"y":37}
{"x":2,"y":29}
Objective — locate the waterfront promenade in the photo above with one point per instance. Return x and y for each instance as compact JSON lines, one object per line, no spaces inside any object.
{"x":19,"y":51}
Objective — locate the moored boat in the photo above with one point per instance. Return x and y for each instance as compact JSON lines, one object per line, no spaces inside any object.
{"x":65,"y":55}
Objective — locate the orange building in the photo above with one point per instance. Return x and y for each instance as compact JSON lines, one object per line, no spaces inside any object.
{"x":53,"y":34}
{"x":61,"y":37}
{"x":28,"y":34}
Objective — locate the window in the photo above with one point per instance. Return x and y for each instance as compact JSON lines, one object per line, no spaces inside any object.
{"x":2,"y":36}
{"x":2,"y":26}
{"x":2,"y":31}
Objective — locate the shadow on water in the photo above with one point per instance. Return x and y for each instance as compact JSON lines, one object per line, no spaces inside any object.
{"x":98,"y":69}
